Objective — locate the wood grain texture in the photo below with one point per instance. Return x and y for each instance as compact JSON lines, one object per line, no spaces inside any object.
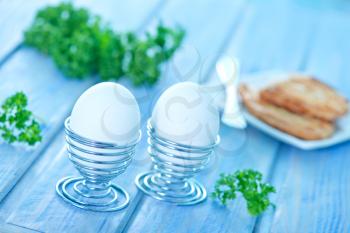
{"x":51,"y":96}
{"x":156,"y":216}
{"x":41,"y":200}
{"x":47,"y":91}
{"x":313,"y":190}
{"x":257,"y":49}
{"x":275,"y":36}
{"x":312,"y":186}
{"x":15,"y":16}
{"x":41,"y":209}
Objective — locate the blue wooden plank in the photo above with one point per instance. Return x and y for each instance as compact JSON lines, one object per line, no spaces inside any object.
{"x":313,"y":185}
{"x":275,"y":45}
{"x":47,"y":212}
{"x":155,"y":216}
{"x":15,"y":16}
{"x":257,"y":49}
{"x":16,"y":229}
{"x":51,"y":96}
{"x":41,"y":201}
{"x":47,"y":90}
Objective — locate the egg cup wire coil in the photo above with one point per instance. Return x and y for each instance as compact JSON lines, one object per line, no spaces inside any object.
{"x":98,"y":163}
{"x":174,"y":165}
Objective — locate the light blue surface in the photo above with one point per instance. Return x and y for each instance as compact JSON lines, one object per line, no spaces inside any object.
{"x":312,"y":186}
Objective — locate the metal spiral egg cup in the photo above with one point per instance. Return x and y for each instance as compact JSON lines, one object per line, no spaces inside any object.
{"x":98,"y":163}
{"x":174,"y":165}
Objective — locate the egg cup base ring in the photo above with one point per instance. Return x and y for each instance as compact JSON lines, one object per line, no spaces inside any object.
{"x":198,"y":193}
{"x":65,"y":189}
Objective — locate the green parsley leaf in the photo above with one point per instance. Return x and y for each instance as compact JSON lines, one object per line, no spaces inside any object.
{"x":111,"y":55}
{"x":81,"y":46}
{"x":249,"y":184}
{"x":17,"y":124}
{"x":146,"y":56}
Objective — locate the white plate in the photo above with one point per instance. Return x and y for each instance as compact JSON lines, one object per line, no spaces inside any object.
{"x":259,"y":80}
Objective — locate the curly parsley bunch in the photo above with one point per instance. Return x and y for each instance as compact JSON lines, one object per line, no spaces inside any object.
{"x":249,"y":184}
{"x":82,"y":46}
{"x":17,"y":124}
{"x":146,"y":56}
{"x":69,"y":36}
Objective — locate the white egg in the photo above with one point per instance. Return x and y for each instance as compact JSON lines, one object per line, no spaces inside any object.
{"x":186,"y":114}
{"x":106,"y":112}
{"x":109,"y":113}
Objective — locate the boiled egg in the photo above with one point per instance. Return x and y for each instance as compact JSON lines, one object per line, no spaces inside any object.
{"x":185,"y":114}
{"x":106,"y":112}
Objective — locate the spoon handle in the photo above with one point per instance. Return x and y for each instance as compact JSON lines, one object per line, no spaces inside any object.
{"x":232,"y":115}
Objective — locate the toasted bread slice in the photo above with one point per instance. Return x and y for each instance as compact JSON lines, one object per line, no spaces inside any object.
{"x":307,"y":96}
{"x":299,"y":126}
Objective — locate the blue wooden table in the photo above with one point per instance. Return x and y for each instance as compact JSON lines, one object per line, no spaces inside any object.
{"x":313,"y":187}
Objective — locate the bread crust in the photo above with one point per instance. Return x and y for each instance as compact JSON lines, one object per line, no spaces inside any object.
{"x":303,"y":127}
{"x":308,"y":96}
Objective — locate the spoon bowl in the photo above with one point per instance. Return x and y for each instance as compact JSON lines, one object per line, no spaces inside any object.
{"x":228,"y":72}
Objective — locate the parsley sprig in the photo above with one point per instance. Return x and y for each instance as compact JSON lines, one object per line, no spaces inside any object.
{"x":17,"y":124}
{"x":249,"y":184}
{"x":82,"y":46}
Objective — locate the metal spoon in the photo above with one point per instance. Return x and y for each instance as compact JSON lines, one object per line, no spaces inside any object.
{"x":228,"y":71}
